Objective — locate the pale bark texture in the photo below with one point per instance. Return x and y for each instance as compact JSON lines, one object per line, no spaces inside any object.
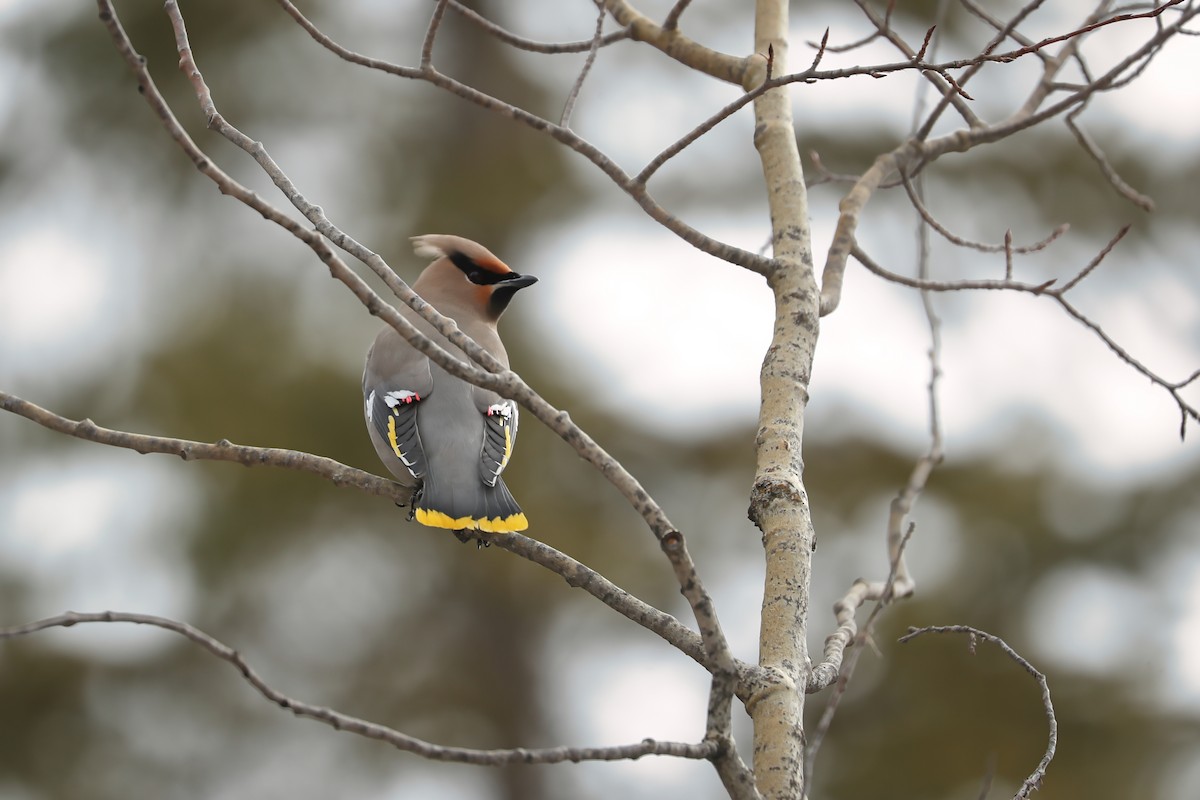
{"x":778,"y":502}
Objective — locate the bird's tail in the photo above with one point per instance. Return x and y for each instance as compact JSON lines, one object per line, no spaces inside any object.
{"x":490,"y":509}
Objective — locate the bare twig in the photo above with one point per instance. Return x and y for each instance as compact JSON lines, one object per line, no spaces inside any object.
{"x":569,"y":106}
{"x":672,"y":43}
{"x":1007,"y":28}
{"x":224,"y":450}
{"x":1187,"y":411}
{"x":671,"y":22}
{"x":1008,"y":255}
{"x":1006,"y":247}
{"x":1091,"y":265}
{"x":1034,"y":781}
{"x":1091,"y":25}
{"x":1002,"y":33}
{"x":861,"y":592}
{"x":435,"y":22}
{"x":1092,"y":149}
{"x":822,"y":173}
{"x":719,"y":725}
{"x":846,"y":48}
{"x":694,"y":134}
{"x":914,"y":151}
{"x":529,"y":45}
{"x":821,"y":47}
{"x":371,"y":730}
{"x":942,"y":80}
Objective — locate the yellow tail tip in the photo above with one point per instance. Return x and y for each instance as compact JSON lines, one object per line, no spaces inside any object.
{"x":437,"y":519}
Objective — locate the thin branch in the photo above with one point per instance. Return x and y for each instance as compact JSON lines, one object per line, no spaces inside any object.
{"x":846,"y":48}
{"x":850,"y":208}
{"x":1034,"y":781}
{"x":1008,"y":28}
{"x":529,"y":45}
{"x":671,"y":22}
{"x":581,"y":576}
{"x":1110,"y":174}
{"x":695,"y":133}
{"x":1006,"y":247}
{"x":941,"y":79}
{"x":719,"y":725}
{"x":1002,"y":33}
{"x":569,"y":106}
{"x":371,"y":730}
{"x":914,"y":151}
{"x":942,"y":68}
{"x":1053,"y":65}
{"x":1090,"y":26}
{"x":849,"y":636}
{"x":1008,"y":255}
{"x":224,"y":450}
{"x":672,"y":43}
{"x":435,"y":22}
{"x":1091,"y":265}
{"x":1186,"y":410}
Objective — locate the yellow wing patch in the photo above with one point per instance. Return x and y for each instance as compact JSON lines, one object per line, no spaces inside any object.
{"x":391,"y":435}
{"x":508,"y":447}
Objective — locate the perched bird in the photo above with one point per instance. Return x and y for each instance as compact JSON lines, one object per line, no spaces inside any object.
{"x":436,"y":433}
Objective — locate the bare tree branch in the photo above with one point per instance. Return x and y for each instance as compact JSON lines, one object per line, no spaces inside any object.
{"x":530,"y":45}
{"x":946,"y":85}
{"x":1006,"y":247}
{"x":734,"y":774}
{"x":569,"y":106}
{"x":916,"y":152}
{"x":1187,"y":411}
{"x":670,"y":41}
{"x":671,"y":22}
{"x":1002,"y":32}
{"x":224,"y":450}
{"x":371,"y":730}
{"x":1034,"y":781}
{"x":1092,"y":149}
{"x":435,"y":22}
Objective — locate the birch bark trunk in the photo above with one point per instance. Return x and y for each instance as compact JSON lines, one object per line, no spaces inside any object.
{"x":778,"y":502}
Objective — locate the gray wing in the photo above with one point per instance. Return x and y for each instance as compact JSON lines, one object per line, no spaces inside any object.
{"x":500,"y":421}
{"x":396,"y":381}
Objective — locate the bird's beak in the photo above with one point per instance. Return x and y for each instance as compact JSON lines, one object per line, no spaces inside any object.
{"x":515,"y":281}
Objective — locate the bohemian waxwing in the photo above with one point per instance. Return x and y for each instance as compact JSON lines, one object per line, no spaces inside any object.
{"x":438,"y":434}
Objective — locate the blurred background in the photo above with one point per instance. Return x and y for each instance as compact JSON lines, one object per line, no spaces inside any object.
{"x":1065,"y":518}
